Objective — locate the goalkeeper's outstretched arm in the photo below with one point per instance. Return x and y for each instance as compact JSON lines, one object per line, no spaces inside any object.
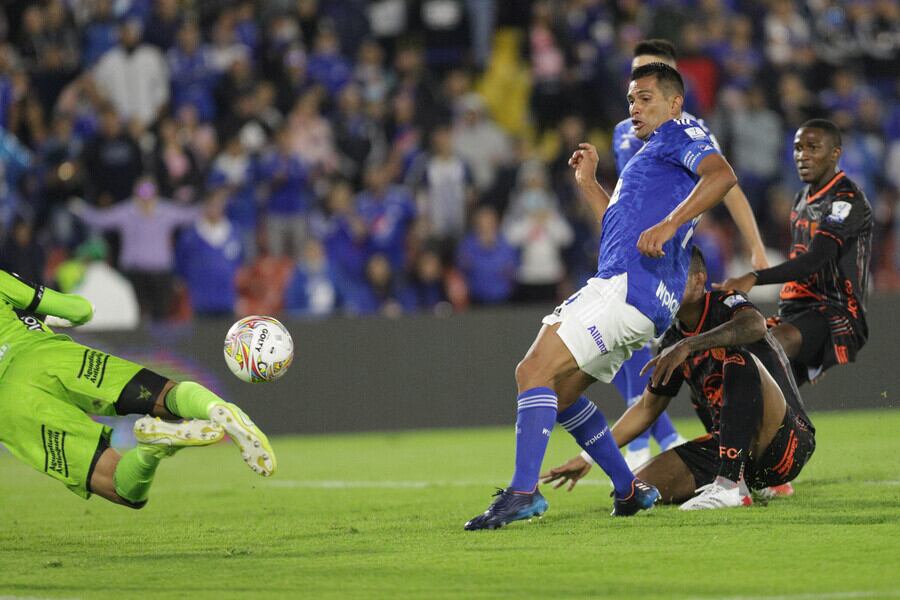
{"x":43,"y":300}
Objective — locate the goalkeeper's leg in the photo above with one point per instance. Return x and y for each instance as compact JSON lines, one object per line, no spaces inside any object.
{"x":193,"y":401}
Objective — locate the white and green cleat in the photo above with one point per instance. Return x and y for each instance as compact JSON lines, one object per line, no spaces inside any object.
{"x":192,"y":432}
{"x":255,"y":448}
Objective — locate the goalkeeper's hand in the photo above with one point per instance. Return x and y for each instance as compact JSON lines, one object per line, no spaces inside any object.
{"x":60,"y":322}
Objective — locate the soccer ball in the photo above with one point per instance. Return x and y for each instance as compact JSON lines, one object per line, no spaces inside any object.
{"x":258,"y":349}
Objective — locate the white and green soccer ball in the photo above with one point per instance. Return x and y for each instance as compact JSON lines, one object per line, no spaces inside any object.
{"x":258,"y":349}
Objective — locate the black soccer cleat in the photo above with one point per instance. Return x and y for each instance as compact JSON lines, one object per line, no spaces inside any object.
{"x":643,"y":496}
{"x":508,"y":507}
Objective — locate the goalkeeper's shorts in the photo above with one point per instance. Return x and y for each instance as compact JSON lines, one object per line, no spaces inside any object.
{"x":46,"y":395}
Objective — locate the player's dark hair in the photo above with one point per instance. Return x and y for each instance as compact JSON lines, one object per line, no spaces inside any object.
{"x":830,"y":129}
{"x":656,"y":47}
{"x":698,"y":263}
{"x":669,"y":79}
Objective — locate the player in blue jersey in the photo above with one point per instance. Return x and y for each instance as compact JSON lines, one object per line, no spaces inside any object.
{"x":625,"y":144}
{"x":645,"y":248}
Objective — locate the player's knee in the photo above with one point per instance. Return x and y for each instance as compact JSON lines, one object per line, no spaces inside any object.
{"x":133,"y":505}
{"x":139,"y":395}
{"x":790,"y":339}
{"x":528,"y":373}
{"x":740,"y":373}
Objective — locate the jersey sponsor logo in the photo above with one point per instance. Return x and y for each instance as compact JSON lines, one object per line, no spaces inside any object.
{"x":598,"y":339}
{"x":54,"y":451}
{"x":695,"y":133}
{"x":794,"y":290}
{"x":93,"y":366}
{"x":32,"y":323}
{"x":668,"y":300}
{"x":840,"y":210}
{"x":3,"y":350}
{"x":735,"y":300}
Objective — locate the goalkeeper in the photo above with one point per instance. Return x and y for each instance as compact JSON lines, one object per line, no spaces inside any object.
{"x":49,"y":385}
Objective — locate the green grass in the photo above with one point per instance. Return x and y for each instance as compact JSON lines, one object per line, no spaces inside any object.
{"x":391,"y":526}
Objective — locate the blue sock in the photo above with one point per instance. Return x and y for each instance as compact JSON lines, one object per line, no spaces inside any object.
{"x":641,"y":442}
{"x":663,"y":431}
{"x":589,"y":428}
{"x":534,"y":422}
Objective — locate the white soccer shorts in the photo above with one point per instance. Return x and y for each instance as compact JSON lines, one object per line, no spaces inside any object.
{"x":600,"y":328}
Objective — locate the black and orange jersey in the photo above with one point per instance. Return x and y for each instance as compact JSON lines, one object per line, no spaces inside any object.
{"x":840,"y":211}
{"x":703,"y":370}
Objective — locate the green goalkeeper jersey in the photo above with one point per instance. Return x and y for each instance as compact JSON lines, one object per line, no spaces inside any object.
{"x":21,"y":303}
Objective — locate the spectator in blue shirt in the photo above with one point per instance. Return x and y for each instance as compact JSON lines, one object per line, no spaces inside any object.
{"x":343,"y":233}
{"x":235,"y":169}
{"x":101,"y":33}
{"x":285,"y":185}
{"x":381,"y":292}
{"x":208,"y":256}
{"x":426,"y":290}
{"x":192,"y":72}
{"x":388,"y":212}
{"x":313,"y":289}
{"x":487,"y":261}
{"x":326,"y":65}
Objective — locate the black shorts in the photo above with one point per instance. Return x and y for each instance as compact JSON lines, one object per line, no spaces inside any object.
{"x":829,"y":338}
{"x":789,"y":451}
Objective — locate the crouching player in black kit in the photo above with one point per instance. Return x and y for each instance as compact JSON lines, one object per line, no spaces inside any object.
{"x":758,"y":433}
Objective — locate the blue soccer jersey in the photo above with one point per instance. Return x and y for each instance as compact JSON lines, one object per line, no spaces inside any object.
{"x":651,"y":185}
{"x":625,"y":144}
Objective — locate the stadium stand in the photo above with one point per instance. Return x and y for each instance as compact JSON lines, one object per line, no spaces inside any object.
{"x":273,"y":105}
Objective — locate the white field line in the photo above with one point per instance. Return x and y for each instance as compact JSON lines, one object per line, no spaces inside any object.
{"x":417,"y":485}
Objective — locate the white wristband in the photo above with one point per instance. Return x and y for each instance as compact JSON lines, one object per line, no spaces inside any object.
{"x":587,"y":457}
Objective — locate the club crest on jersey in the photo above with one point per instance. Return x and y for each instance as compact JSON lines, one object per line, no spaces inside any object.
{"x":695,"y":133}
{"x":840,"y":210}
{"x":734,"y":300}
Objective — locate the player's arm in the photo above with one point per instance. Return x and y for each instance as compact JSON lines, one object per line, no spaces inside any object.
{"x":822,"y":250}
{"x":746,"y":326}
{"x":739,"y":209}
{"x":639,"y":417}
{"x":584,"y":162}
{"x":39,"y":299}
{"x":716,"y":179}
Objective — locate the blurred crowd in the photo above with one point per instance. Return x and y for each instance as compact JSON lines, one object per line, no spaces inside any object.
{"x":304,"y":157}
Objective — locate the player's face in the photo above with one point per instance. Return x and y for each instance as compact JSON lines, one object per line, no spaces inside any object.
{"x":694,"y":291}
{"x":815,"y":155}
{"x":649,"y":107}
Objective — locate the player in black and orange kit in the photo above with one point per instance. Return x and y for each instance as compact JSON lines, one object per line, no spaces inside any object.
{"x":742,"y":388}
{"x":821,"y":320}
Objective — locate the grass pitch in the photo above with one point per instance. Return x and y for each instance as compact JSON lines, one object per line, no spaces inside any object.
{"x":381,"y":515}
